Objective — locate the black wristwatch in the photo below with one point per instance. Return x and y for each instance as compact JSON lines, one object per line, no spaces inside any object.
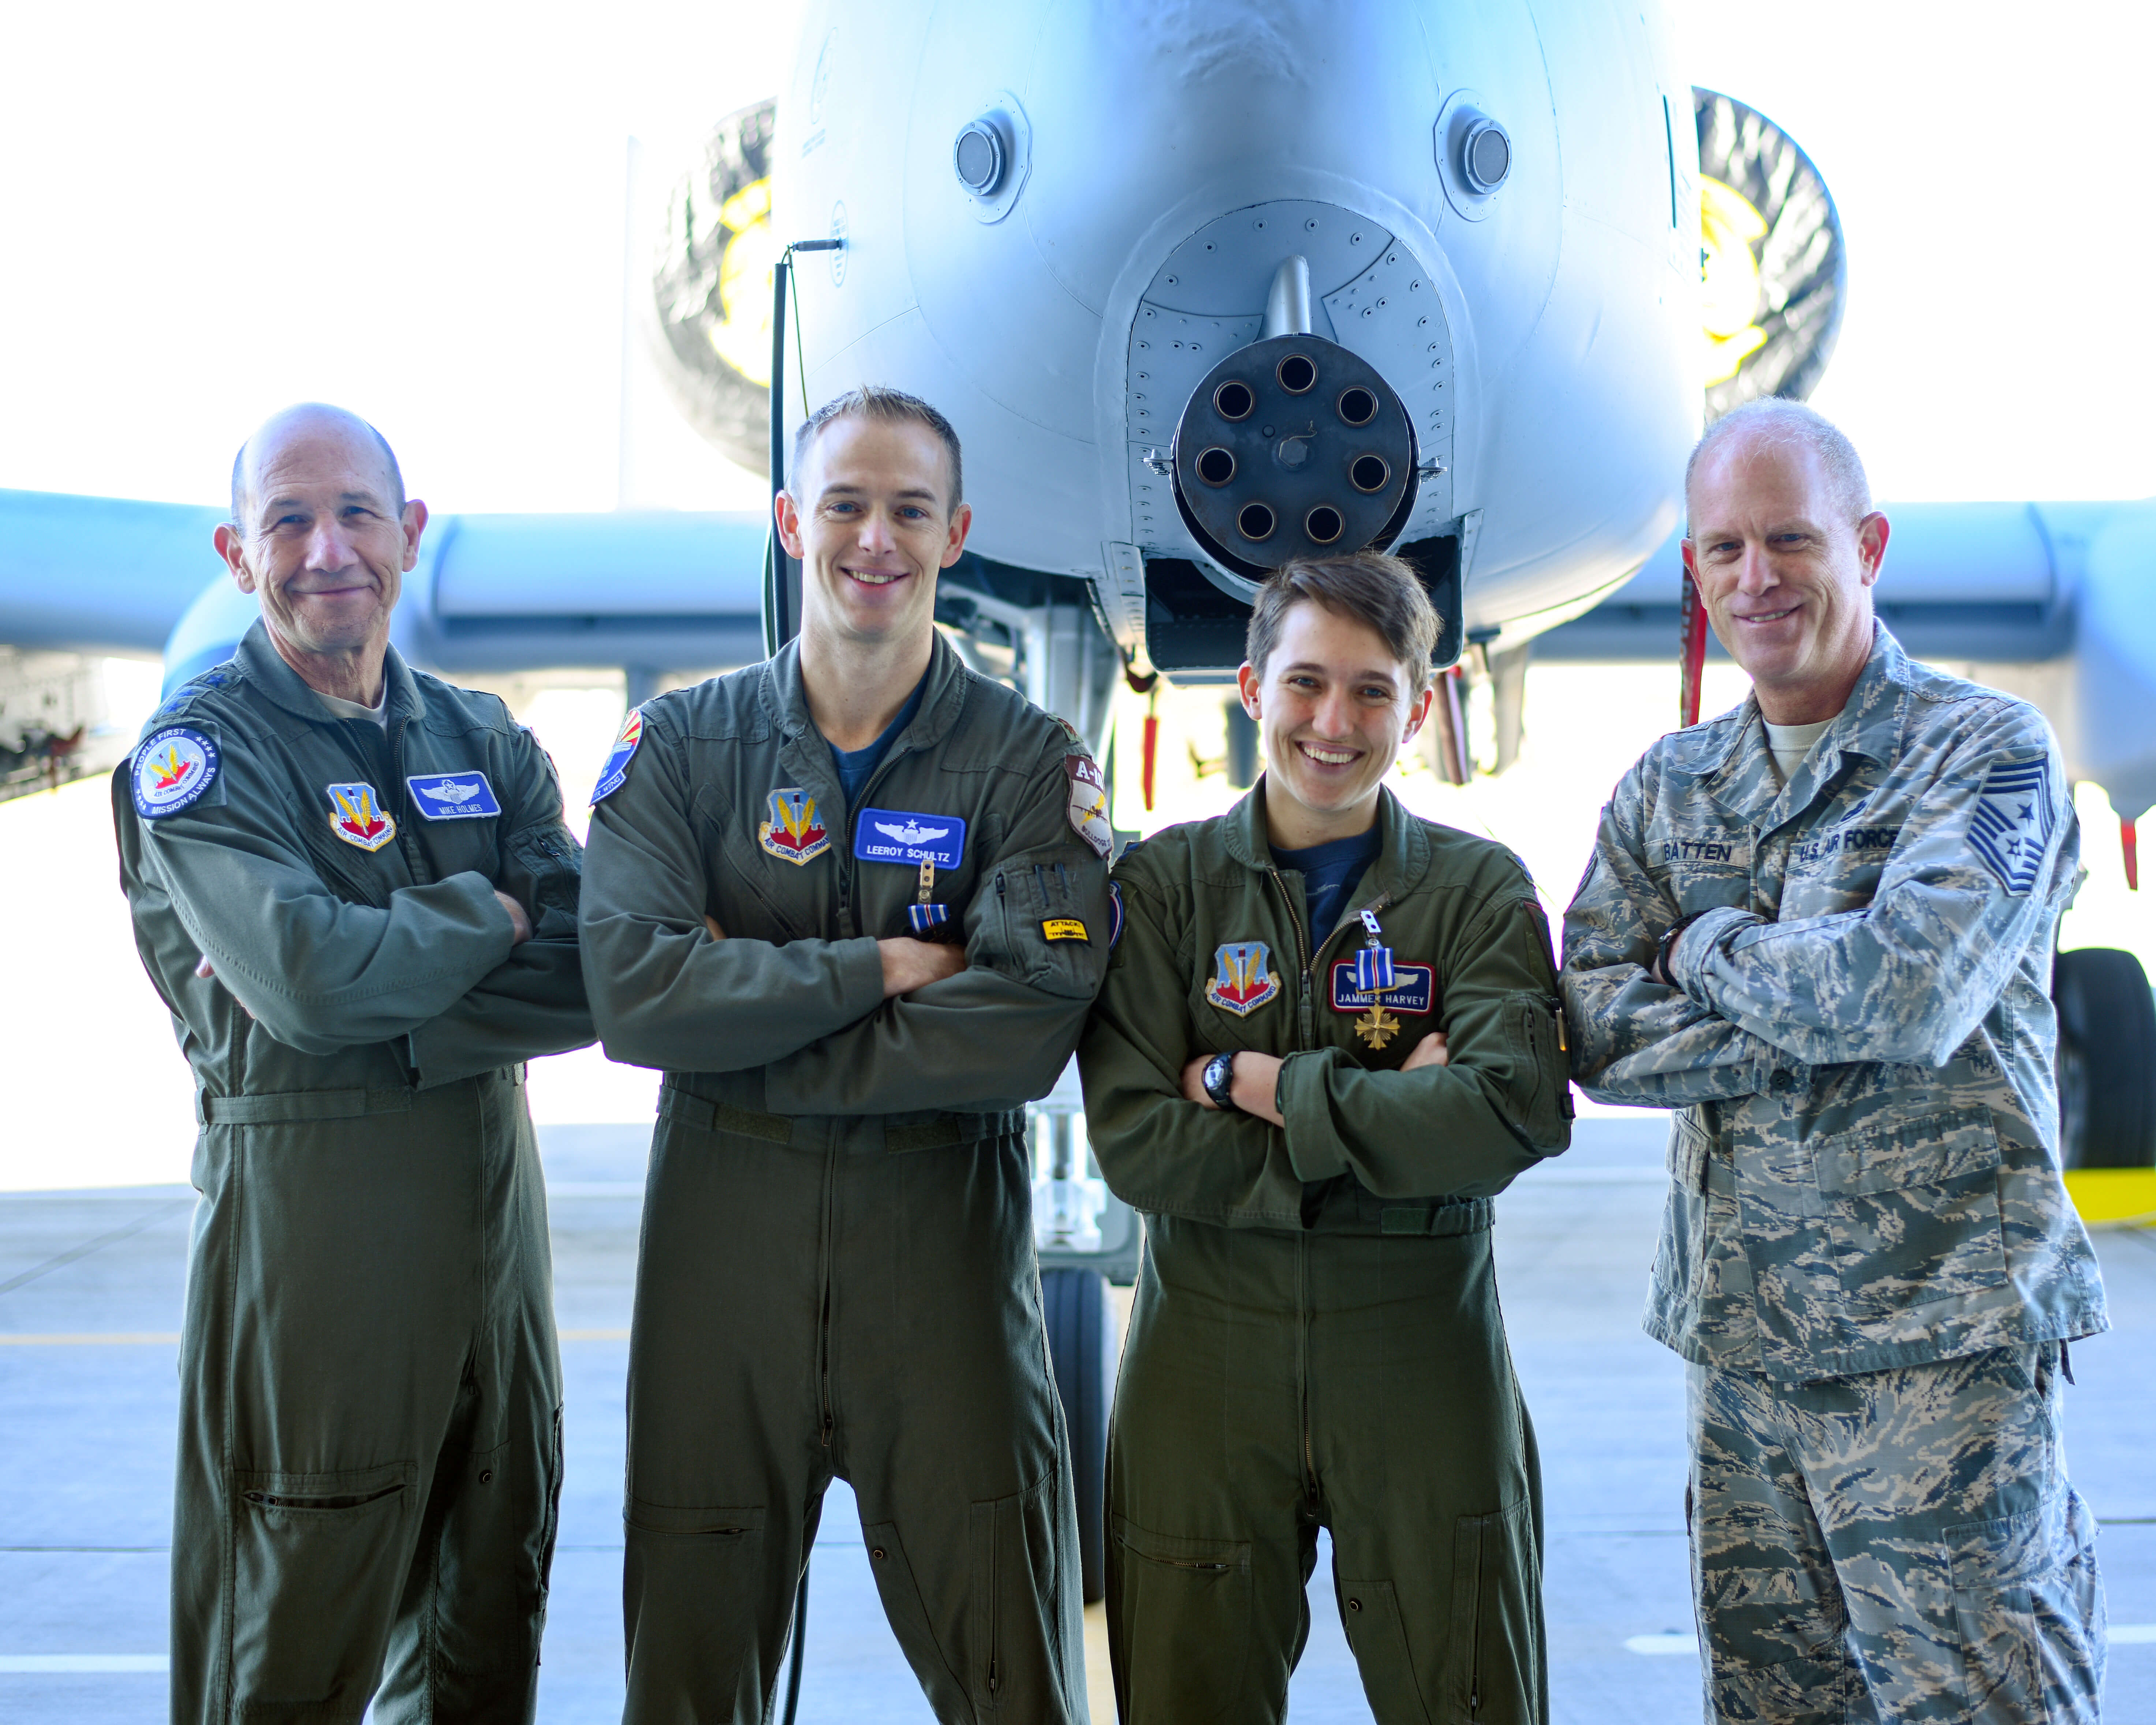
{"x":1219,"y":1080}
{"x":1667,"y":945}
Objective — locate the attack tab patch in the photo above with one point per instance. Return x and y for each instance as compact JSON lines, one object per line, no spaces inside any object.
{"x":614,"y":774}
{"x":1243,"y":980}
{"x":453,"y":796}
{"x":899,"y":835}
{"x":172,"y":770}
{"x":357,"y":817}
{"x":2011,"y":831}
{"x":1089,"y":804}
{"x":1064,"y":928}
{"x":793,"y":832}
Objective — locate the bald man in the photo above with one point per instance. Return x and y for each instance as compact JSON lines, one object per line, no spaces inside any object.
{"x":1820,"y":926}
{"x":352,"y":887}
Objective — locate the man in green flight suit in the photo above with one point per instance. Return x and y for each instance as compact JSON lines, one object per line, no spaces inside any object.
{"x":1327,"y":1038}
{"x":351,"y":885}
{"x":854,"y":900}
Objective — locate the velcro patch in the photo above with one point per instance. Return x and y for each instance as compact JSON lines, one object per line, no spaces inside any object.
{"x":2011,"y":831}
{"x":900,"y":835}
{"x":453,"y":796}
{"x":1064,"y":928}
{"x":172,"y":771}
{"x":1089,"y":804}
{"x":357,"y":817}
{"x":614,"y":774}
{"x":1414,"y":989}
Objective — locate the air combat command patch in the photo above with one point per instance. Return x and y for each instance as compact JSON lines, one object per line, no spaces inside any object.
{"x":2011,"y":831}
{"x":357,"y":817}
{"x":793,"y":832}
{"x":172,"y":771}
{"x":1242,"y":979}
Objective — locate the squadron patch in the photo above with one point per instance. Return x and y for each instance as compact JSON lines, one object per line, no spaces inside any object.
{"x":1243,"y":980}
{"x":453,"y":796}
{"x":1115,"y":914}
{"x":2011,"y":831}
{"x":793,"y":833}
{"x":1089,"y":804}
{"x":900,"y":835}
{"x":357,"y":817}
{"x":614,"y":774}
{"x":172,"y":770}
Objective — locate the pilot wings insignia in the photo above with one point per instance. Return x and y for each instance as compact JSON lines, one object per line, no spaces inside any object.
{"x":912,"y":833}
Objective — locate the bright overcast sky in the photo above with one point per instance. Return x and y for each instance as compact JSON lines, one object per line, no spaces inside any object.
{"x":418,"y":210}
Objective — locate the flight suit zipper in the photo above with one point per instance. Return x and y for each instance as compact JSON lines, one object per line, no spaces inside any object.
{"x":828,"y":1276}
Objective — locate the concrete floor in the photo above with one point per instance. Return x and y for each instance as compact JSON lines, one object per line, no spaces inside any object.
{"x":89,"y":1292}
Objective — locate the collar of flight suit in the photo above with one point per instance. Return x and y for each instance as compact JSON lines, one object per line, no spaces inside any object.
{"x":785,"y":698}
{"x":1735,"y":771}
{"x":1402,"y":860}
{"x":265,"y":668}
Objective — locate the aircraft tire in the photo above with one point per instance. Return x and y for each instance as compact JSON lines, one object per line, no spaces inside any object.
{"x":2107,"y":1059}
{"x":1081,"y":1341}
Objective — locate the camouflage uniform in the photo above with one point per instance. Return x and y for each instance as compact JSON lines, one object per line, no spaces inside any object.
{"x":1866,"y":1234}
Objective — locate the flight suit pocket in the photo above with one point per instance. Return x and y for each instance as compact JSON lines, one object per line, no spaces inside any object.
{"x":1911,"y":1212}
{"x":2029,"y":1609}
{"x":692,"y":1587}
{"x":1544,"y":1094}
{"x":1497,"y":1621}
{"x":1043,"y":931}
{"x":1372,"y":1615}
{"x":1184,"y":1616}
{"x":318,"y":1566}
{"x":1017,"y":1653}
{"x":544,"y":868}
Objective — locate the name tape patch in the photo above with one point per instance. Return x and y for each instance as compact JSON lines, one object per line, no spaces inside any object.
{"x":1414,"y":989}
{"x":453,"y":796}
{"x":172,"y":770}
{"x":900,"y":835}
{"x":1065,"y":928}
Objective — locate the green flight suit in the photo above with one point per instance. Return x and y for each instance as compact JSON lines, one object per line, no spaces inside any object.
{"x":837,"y":1273}
{"x":370,"y":1400}
{"x":1317,"y":1339}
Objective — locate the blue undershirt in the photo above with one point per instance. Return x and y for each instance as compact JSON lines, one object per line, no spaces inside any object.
{"x":855,"y":767}
{"x":1330,"y":872}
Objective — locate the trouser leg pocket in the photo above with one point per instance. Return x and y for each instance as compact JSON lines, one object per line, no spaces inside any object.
{"x":1179,"y":1620}
{"x":694,"y":1602}
{"x":1022,"y":1565}
{"x":2030,"y":1610}
{"x":1496,"y":1618}
{"x":318,"y":1565}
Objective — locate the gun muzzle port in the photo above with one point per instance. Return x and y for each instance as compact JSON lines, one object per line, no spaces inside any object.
{"x":1233,"y":400}
{"x":1368,"y":474}
{"x":1324,"y":524}
{"x":1255,"y":520}
{"x":1297,"y":374}
{"x":1216,"y":466}
{"x":1358,"y":406}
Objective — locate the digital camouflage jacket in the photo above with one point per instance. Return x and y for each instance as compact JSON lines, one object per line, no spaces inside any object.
{"x":1864,"y":1173}
{"x":341,"y":883}
{"x":1214,"y":955}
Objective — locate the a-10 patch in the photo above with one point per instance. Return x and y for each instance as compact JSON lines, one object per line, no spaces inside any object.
{"x":2011,"y":831}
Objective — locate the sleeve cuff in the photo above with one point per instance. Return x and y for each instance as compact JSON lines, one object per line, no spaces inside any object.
{"x":1696,"y":947}
{"x":1314,"y":1149}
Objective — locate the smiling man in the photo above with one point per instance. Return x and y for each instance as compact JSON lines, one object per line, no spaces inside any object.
{"x":1821,"y":926}
{"x":351,"y":886}
{"x":854,"y":901}
{"x":1328,"y":1037}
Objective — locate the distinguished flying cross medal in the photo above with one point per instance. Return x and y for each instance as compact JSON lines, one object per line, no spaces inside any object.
{"x":1373,"y":976}
{"x":793,"y":832}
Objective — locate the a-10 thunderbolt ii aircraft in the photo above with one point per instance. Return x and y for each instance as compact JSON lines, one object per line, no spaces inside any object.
{"x":1203,"y":287}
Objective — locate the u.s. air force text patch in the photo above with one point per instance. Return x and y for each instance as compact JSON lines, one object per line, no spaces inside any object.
{"x":2011,"y":831}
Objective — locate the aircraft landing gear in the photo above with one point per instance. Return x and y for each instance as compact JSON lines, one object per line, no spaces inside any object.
{"x":2107,"y":1068}
{"x":1081,"y":1339}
